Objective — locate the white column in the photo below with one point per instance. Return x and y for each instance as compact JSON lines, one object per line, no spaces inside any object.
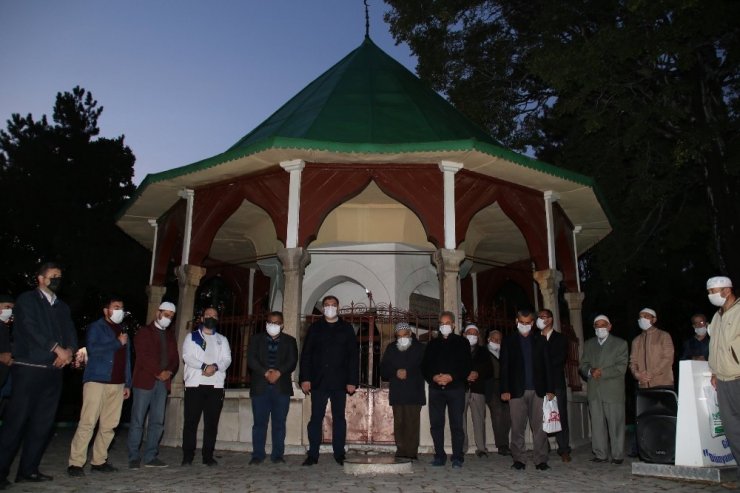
{"x":293,"y":167}
{"x":188,"y":195}
{"x":153,"y":224}
{"x":577,"y":230}
{"x":251,"y":291}
{"x":449,"y":168}
{"x":550,"y":197}
{"x":474,"y":278}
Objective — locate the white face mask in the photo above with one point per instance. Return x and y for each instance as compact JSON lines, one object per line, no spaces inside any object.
{"x":164,"y":322}
{"x":117,"y":316}
{"x":495,"y":348}
{"x":330,"y":312}
{"x":403,"y":343}
{"x":445,"y":330}
{"x":700,"y":331}
{"x":644,"y":323}
{"x":523,"y":329}
{"x":5,"y":314}
{"x":716,"y":299}
{"x":541,"y":323}
{"x":472,"y":339}
{"x":601,"y":332}
{"x":273,"y":329}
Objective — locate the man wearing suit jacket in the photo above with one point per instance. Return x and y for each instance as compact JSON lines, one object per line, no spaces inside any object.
{"x":329,"y":371}
{"x":603,"y":364}
{"x":526,"y":379}
{"x":557,"y":348}
{"x":271,"y":356}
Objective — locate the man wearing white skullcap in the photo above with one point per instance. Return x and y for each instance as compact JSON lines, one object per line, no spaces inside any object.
{"x":651,"y":359}
{"x":724,"y":359}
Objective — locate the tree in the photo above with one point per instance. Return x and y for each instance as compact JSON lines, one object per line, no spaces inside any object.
{"x":641,"y":95}
{"x":60,"y":188}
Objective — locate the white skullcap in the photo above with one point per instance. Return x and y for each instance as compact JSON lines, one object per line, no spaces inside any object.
{"x":650,"y":311}
{"x":602,"y":317}
{"x":471,"y":326}
{"x":719,"y":282}
{"x":167,"y":306}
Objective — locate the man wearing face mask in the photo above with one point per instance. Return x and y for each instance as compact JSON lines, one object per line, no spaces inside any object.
{"x":446,"y":366}
{"x":526,"y":379}
{"x":401,"y":366}
{"x":651,"y":358}
{"x":207,"y":356}
{"x":329,"y":370}
{"x":157,"y":361}
{"x":500,"y":416}
{"x":271,"y":357}
{"x":106,"y":383}
{"x":557,"y":348}
{"x":6,"y":357}
{"x":475,"y":398}
{"x":603,"y":365}
{"x":697,"y":347}
{"x":724,"y":354}
{"x":45,"y":341}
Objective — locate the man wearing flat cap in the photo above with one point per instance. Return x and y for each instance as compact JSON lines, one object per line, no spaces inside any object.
{"x":724,"y":360}
{"x":157,"y":361}
{"x":401,"y":366}
{"x":603,"y":365}
{"x":651,"y":359}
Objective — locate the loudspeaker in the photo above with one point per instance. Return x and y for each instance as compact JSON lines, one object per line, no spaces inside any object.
{"x":656,"y":425}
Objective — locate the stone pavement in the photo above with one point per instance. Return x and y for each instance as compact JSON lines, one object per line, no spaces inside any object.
{"x":234,"y":475}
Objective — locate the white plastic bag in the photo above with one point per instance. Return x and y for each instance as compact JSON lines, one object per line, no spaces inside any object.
{"x":551,"y":416}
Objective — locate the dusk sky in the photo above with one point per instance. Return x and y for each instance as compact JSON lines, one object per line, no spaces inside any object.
{"x":183,"y":80}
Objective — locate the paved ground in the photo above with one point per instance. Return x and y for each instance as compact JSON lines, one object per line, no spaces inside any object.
{"x":234,"y":475}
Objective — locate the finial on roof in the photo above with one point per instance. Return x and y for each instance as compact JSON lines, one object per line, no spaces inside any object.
{"x":367,"y":20}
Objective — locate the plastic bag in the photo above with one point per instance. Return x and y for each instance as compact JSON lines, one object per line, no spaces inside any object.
{"x":551,"y":416}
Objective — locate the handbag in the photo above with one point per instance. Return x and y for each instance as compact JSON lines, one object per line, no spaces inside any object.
{"x":551,"y":416}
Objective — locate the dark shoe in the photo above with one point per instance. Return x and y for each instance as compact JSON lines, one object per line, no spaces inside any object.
{"x":565,"y":456}
{"x":210,"y":462}
{"x":340,"y":460}
{"x":310,"y":461}
{"x":104,"y":467}
{"x":186,"y":462}
{"x":5,"y":484}
{"x":481,"y":453}
{"x":633,"y":454}
{"x":75,"y":471}
{"x":504,"y":451}
{"x":597,"y":460}
{"x":134,"y":464}
{"x":542,"y":466}
{"x":457,"y":464}
{"x":155,"y":462}
{"x":519,"y":466}
{"x":617,"y":461}
{"x":277,"y":460}
{"x":255,"y":461}
{"x":439,"y":462}
{"x":36,"y":477}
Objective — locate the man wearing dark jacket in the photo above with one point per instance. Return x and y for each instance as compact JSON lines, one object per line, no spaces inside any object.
{"x":272,"y":356}
{"x":329,"y":371}
{"x":500,"y":416}
{"x":446,"y":367}
{"x":557,"y":349}
{"x":401,"y":366}
{"x":525,"y":382}
{"x":45,"y":340}
{"x":475,"y":397}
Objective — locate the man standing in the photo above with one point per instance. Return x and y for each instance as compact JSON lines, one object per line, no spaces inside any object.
{"x":329,"y":371}
{"x":157,"y":360}
{"x":697,"y":347}
{"x":557,"y":348}
{"x":525,"y":381}
{"x":44,"y":342}
{"x":500,"y":416}
{"x":207,"y":356}
{"x":446,"y":366}
{"x":603,"y":364}
{"x":401,"y":366}
{"x":6,"y":357}
{"x":106,"y":383}
{"x":651,"y":359}
{"x":723,"y":360}
{"x":272,"y":356}
{"x":475,"y":396}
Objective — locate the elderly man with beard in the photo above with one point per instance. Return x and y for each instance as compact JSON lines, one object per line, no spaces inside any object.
{"x":401,"y":366}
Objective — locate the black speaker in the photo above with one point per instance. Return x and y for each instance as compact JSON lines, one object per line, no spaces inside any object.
{"x":656,"y":425}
